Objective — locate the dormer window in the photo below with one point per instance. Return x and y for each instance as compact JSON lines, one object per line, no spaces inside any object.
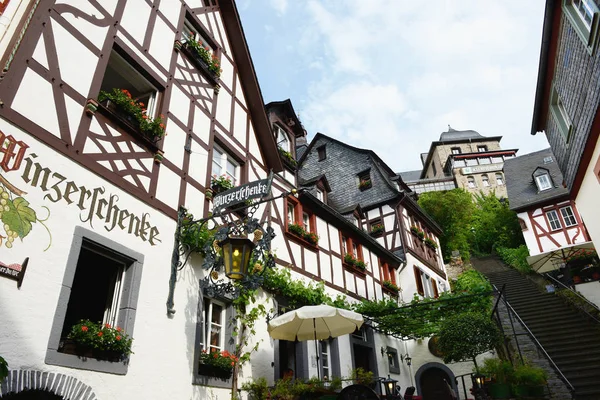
{"x":322,"y":152}
{"x":364,"y":180}
{"x":283,"y":140}
{"x":542,"y":179}
{"x":482,"y":149}
{"x":321,"y":195}
{"x":455,"y":150}
{"x":543,"y":182}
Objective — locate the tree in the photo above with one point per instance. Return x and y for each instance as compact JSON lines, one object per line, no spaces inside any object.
{"x":466,"y":335}
{"x":3,"y":369}
{"x":494,"y":224}
{"x":452,"y":210}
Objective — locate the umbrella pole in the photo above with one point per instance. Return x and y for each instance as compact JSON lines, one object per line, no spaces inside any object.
{"x":316,"y":348}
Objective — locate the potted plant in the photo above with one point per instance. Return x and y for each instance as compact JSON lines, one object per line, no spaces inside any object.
{"x":421,"y":235}
{"x":296,"y":229}
{"x":390,"y":286}
{"x":414,"y":230}
{"x":529,"y":380}
{"x":288,"y":157}
{"x":121,"y":103}
{"x":99,"y":340}
{"x":311,"y":238}
{"x":360,"y":264}
{"x":202,"y":54}
{"x":377,"y":229}
{"x":501,"y":373}
{"x":364,"y":184}
{"x":257,"y":389}
{"x":217,"y":364}
{"x":431,"y":243}
{"x":361,"y":377}
{"x":220,"y":183}
{"x":349,"y":259}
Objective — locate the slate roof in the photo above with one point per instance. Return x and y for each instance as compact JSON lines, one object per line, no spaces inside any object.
{"x":410,"y":176}
{"x":522,"y":190}
{"x":453,"y":135}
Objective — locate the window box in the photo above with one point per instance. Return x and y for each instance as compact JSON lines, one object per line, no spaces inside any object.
{"x":129,"y":123}
{"x":390,"y":288}
{"x":220,"y":184}
{"x":377,"y":230}
{"x":431,"y":243}
{"x":417,"y":232}
{"x":200,"y":62}
{"x":355,"y":264}
{"x":212,"y":371}
{"x":69,"y":346}
{"x":308,"y":237}
{"x":287,"y":158}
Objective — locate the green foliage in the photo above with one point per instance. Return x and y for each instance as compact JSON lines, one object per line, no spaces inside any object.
{"x":224,"y":360}
{"x":360,"y":264}
{"x":452,"y":210}
{"x":101,"y":336}
{"x":257,"y":389}
{"x":154,"y":128}
{"x":472,"y":224}
{"x":464,"y":336}
{"x":288,"y":156}
{"x":298,"y":230}
{"x":516,"y":258}
{"x":211,"y":60}
{"x":498,"y":370}
{"x":530,"y":375}
{"x":3,"y":369}
{"x":222,"y":182}
{"x":390,"y":285}
{"x":361,"y":377}
{"x":193,"y":237}
{"x":349,"y":259}
{"x":279,"y":281}
{"x":431,"y":243}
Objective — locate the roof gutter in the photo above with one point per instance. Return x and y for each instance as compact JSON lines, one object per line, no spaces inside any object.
{"x":543,"y":65}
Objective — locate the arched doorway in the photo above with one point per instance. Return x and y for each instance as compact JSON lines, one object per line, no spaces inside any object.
{"x":34,"y":394}
{"x":431,"y":381}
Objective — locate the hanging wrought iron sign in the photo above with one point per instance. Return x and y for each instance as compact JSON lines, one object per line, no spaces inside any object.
{"x":16,"y":272}
{"x":241,"y":194}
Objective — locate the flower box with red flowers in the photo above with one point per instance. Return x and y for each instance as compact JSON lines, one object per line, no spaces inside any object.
{"x":217,"y":363}
{"x":355,"y":264}
{"x":202,"y":58}
{"x":98,"y":340}
{"x":390,"y":287}
{"x":377,"y":230}
{"x":132,"y":116}
{"x":299,"y":231}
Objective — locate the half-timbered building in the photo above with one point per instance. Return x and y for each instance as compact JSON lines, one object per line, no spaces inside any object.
{"x":115,"y":114}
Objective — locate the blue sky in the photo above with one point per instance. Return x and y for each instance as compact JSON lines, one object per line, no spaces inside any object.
{"x":390,"y":75}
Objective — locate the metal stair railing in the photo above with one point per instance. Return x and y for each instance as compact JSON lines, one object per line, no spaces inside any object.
{"x":589,"y":303}
{"x":510,"y":310}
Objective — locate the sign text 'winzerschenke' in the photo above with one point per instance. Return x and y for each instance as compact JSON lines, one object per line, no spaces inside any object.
{"x":240,"y":194}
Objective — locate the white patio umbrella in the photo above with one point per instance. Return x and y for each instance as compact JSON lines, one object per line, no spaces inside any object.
{"x":314,"y":323}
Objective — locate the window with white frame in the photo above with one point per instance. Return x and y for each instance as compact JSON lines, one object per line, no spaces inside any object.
{"x":306,"y":221}
{"x":282,"y":138}
{"x":291,"y":212}
{"x":543,"y":182}
{"x":122,"y":75}
{"x":325,"y":359}
{"x":497,"y":159}
{"x":459,"y":163}
{"x":471,"y":162}
{"x":455,"y":150}
{"x":214,"y":325}
{"x":499,"y":179}
{"x":482,"y":148}
{"x":484,"y":160}
{"x":568,"y":216}
{"x":583,"y":15}
{"x":485,"y":180}
{"x":471,"y":182}
{"x":553,"y":220}
{"x":225,"y":165}
{"x":559,"y":113}
{"x":320,"y":195}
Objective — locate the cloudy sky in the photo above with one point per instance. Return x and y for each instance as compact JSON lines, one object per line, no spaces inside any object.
{"x":390,"y":75}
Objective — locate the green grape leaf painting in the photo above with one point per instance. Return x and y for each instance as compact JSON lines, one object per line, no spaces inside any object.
{"x":18,"y":216}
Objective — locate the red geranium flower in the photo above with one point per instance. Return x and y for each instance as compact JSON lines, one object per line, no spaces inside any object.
{"x":107,"y":325}
{"x":118,"y":337}
{"x":100,"y":333}
{"x":119,"y":329}
{"x":84,"y":328}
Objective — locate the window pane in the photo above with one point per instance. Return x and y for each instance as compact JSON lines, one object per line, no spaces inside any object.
{"x":568,"y":217}
{"x":306,"y":222}
{"x":499,"y":179}
{"x":472,"y":162}
{"x":291,"y":211}
{"x":553,"y":219}
{"x":216,"y":314}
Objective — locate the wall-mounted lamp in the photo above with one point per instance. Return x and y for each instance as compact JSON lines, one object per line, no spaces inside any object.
{"x":406,"y":358}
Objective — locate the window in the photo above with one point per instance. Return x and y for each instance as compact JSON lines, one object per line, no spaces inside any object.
{"x":120,"y":74}
{"x":388,"y":273}
{"x":291,"y":212}
{"x":484,"y":161}
{"x":392,"y":357}
{"x":553,"y":220}
{"x":499,"y":179}
{"x":543,"y":182}
{"x":213,"y":322}
{"x":485,"y":180}
{"x":428,"y":285}
{"x":522,"y":224}
{"x":306,"y":221}
{"x":471,"y":182}
{"x":352,"y":247}
{"x":376,"y":227}
{"x":355,"y":250}
{"x":436,"y":293}
{"x":101,"y":283}
{"x":325,"y":358}
{"x":364,"y":180}
{"x":320,"y":195}
{"x":568,"y":216}
{"x":472,"y":162}
{"x":419,"y":280}
{"x":482,"y":148}
{"x":190,"y":32}
{"x":455,"y":150}
{"x":496,"y":159}
{"x":224,"y":164}
{"x":322,"y":152}
{"x":282,"y":138}
{"x":344,"y":245}
{"x":559,"y":113}
{"x":583,"y":15}
{"x":459,"y":163}
{"x":434,"y":169}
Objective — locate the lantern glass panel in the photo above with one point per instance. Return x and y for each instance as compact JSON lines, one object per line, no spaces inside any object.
{"x":236,"y":255}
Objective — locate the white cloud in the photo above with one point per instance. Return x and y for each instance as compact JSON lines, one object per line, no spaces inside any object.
{"x":280,"y":6}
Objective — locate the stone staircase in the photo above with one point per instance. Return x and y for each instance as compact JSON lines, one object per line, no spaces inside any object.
{"x":570,"y":338}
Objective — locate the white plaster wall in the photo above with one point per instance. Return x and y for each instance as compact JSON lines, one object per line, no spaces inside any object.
{"x":587,"y":199}
{"x":591,"y":291}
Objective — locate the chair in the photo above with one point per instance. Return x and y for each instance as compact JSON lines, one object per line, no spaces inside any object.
{"x":357,"y":392}
{"x":409,"y":392}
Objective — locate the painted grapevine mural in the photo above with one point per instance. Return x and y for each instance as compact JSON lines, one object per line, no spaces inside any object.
{"x":16,"y":214}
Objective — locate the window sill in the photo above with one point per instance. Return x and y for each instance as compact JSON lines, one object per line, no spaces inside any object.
{"x":199,"y":63}
{"x":295,"y":238}
{"x":54,"y":357}
{"x":354,"y":269}
{"x":110,"y":111}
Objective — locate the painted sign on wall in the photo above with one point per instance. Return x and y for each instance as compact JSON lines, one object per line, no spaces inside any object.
{"x":16,"y":272}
